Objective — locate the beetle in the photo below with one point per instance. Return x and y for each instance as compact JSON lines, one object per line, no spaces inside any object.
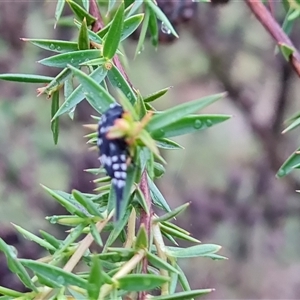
{"x":113,"y":152}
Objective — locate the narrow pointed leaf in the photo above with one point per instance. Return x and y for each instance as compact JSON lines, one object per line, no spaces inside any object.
{"x":176,"y":113}
{"x":117,"y":80}
{"x":83,"y":37}
{"x":59,"y":9}
{"x":78,"y":94}
{"x":32,"y":237}
{"x":175,"y":212}
{"x":168,"y":144}
{"x":50,"y":239}
{"x":87,"y":203}
{"x":113,"y":36}
{"x":141,"y":282}
{"x":28,"y":78}
{"x":95,"y":280}
{"x":96,"y":235}
{"x":160,"y":264}
{"x":81,"y":13}
{"x":160,"y":15}
{"x":70,"y":58}
{"x":189,"y":124}
{"x":59,"y":46}
{"x":65,"y":202}
{"x":15,"y":266}
{"x":97,"y":96}
{"x":187,"y":295}
{"x":156,"y":95}
{"x":56,"y":274}
{"x":292,"y":126}
{"x":141,"y":241}
{"x":290,"y":164}
{"x":54,"y":109}
{"x":130,"y":25}
{"x":143,"y":33}
{"x":157,"y":197}
{"x":194,"y":251}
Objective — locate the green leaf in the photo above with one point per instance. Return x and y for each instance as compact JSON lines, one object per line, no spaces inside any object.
{"x":286,"y":50}
{"x":130,"y":25}
{"x":66,"y":203}
{"x":83,"y":37}
{"x":54,"y":109}
{"x":141,"y":200}
{"x":141,"y":241}
{"x":32,"y":237}
{"x":113,"y":36}
{"x":95,"y":62}
{"x":96,"y":235}
{"x":55,"y":83}
{"x":183,"y":280}
{"x":9,"y":292}
{"x":177,"y":233}
{"x":292,"y":126}
{"x":168,"y":144}
{"x":50,"y":239}
{"x":95,"y":280}
{"x":55,"y":274}
{"x":189,"y":124}
{"x":28,"y":78}
{"x":290,"y":164}
{"x":143,"y":33}
{"x":214,"y":256}
{"x":59,"y":46}
{"x":160,"y":15}
{"x":78,"y":95}
{"x":117,"y":80}
{"x":15,"y":266}
{"x":92,"y":35}
{"x":141,"y":282}
{"x":153,"y":28}
{"x":81,"y":13}
{"x":156,"y":95}
{"x":160,"y":264}
{"x":156,"y":196}
{"x":118,"y":227}
{"x":59,"y":9}
{"x":194,"y":251}
{"x":176,"y":113}
{"x":74,"y":58}
{"x":187,"y":295}
{"x":159,"y":170}
{"x":170,"y":215}
{"x":97,"y":96}
{"x":87,"y":203}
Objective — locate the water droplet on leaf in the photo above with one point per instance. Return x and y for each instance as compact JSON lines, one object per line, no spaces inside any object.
{"x":208,"y":123}
{"x":198,"y":124}
{"x":52,"y":47}
{"x":165,"y":29}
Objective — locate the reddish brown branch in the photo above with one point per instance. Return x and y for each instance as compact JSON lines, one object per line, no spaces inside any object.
{"x":266,"y":19}
{"x":94,"y":11}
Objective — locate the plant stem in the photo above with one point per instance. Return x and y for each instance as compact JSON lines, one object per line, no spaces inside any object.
{"x":265,"y":18}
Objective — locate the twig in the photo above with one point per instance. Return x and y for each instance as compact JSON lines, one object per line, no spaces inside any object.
{"x":266,"y":19}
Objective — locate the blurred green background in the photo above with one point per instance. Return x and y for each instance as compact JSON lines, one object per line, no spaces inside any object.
{"x":227,"y":172}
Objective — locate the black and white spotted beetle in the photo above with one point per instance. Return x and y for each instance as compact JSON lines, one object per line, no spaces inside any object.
{"x":113,"y":152}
